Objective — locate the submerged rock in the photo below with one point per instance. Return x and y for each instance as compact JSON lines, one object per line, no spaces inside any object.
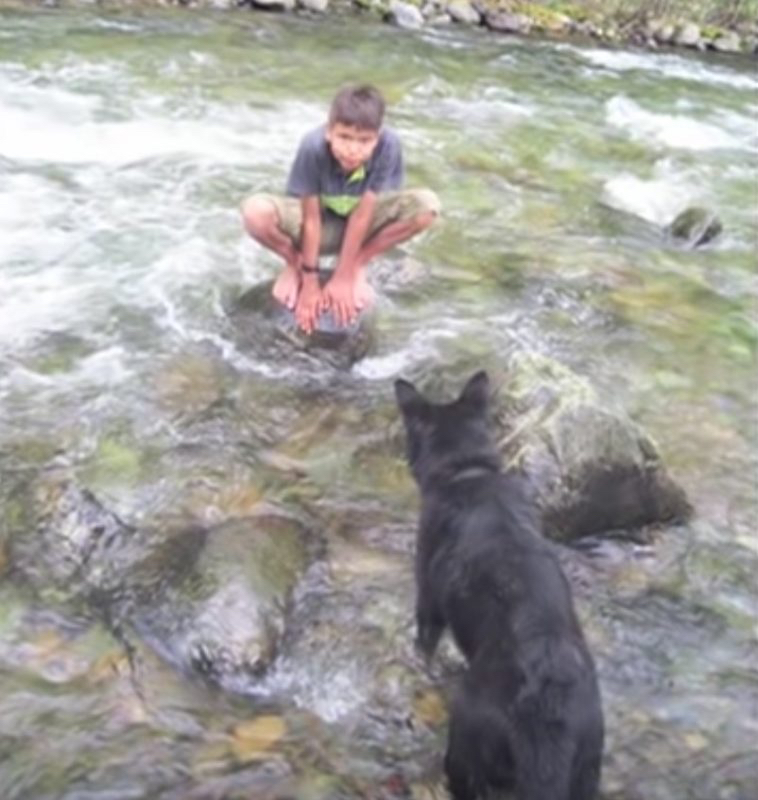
{"x":209,"y":601}
{"x":592,"y":470}
{"x":268,"y":329}
{"x":225,"y":618}
{"x":695,"y":226}
{"x":65,"y":541}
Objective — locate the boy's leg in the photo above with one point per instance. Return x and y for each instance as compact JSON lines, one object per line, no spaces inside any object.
{"x":275,"y":223}
{"x":399,"y":216}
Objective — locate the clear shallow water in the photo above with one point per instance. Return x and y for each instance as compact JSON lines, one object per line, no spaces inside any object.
{"x":127,"y":143}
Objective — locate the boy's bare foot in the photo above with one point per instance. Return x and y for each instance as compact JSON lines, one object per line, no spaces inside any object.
{"x":363,"y":292}
{"x":287,"y":287}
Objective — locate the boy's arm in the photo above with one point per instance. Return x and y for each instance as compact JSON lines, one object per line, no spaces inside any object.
{"x":339,"y":290}
{"x":310,"y":300}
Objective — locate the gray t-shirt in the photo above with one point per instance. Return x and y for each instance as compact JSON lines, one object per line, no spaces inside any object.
{"x":316,"y":171}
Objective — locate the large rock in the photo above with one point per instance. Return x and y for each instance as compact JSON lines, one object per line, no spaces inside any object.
{"x":592,"y":470}
{"x":695,"y":226}
{"x":263,"y":327}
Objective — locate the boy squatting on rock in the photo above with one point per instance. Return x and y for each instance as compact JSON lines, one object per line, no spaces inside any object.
{"x":344,"y":198}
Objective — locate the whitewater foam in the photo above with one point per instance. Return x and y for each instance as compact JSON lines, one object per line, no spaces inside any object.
{"x":669,"y":130}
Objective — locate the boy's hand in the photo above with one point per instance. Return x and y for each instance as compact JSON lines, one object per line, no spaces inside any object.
{"x":339,"y":297}
{"x":310,"y":303}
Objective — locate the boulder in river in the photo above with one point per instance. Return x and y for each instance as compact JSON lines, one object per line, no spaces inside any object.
{"x":593,"y":470}
{"x":695,"y":226}
{"x":265,"y":328}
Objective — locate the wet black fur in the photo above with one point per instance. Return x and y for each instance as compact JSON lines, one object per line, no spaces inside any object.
{"x":527,"y":716}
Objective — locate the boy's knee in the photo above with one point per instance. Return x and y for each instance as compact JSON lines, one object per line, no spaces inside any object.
{"x":258,"y":213}
{"x":426,"y":208}
{"x":427,"y":203}
{"x":426,"y":219}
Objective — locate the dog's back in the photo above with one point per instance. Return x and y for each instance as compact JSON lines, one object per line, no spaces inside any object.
{"x":528,"y":713}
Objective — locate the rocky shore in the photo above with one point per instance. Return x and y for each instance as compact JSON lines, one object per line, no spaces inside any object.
{"x":636,"y":24}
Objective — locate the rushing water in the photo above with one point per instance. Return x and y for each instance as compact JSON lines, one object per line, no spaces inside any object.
{"x":126,"y":143}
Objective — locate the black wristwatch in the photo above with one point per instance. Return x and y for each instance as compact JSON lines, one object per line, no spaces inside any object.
{"x":309,"y":270}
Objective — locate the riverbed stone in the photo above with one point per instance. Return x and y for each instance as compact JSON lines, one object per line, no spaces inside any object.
{"x":695,"y":226}
{"x":687,"y":35}
{"x":462,"y":11}
{"x":316,"y":6}
{"x":592,"y":469}
{"x":665,"y":34}
{"x":508,"y":22}
{"x":405,"y":15}
{"x":439,"y":20}
{"x":273,"y":5}
{"x":728,"y":42}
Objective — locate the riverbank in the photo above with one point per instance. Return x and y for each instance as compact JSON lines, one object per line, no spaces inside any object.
{"x":723,"y":27}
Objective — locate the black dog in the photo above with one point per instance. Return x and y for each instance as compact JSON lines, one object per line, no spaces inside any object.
{"x":528,"y":715}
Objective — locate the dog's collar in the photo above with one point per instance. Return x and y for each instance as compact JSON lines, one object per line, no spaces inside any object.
{"x":473,"y":471}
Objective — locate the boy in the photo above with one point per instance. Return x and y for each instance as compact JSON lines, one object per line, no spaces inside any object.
{"x":343,"y":198}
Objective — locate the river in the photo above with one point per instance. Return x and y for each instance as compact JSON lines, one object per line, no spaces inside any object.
{"x":128,"y":140}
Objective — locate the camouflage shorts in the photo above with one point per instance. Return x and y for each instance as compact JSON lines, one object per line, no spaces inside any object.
{"x":390,"y":207}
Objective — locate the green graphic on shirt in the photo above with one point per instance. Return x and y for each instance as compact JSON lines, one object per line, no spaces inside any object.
{"x":343,"y":204}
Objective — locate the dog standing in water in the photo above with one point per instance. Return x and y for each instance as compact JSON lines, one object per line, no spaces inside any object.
{"x":527,"y":716}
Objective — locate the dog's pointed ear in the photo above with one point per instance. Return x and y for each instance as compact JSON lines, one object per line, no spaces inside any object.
{"x":409,"y":399}
{"x":477,"y":391}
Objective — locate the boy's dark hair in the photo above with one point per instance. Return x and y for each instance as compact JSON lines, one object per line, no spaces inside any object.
{"x":361,"y":106}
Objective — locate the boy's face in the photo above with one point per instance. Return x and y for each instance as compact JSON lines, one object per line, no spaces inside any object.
{"x":351,"y":146}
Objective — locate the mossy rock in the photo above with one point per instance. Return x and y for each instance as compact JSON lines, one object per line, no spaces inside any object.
{"x":592,"y":469}
{"x":695,"y":226}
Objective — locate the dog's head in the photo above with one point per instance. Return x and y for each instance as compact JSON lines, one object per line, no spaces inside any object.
{"x":444,"y":437}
